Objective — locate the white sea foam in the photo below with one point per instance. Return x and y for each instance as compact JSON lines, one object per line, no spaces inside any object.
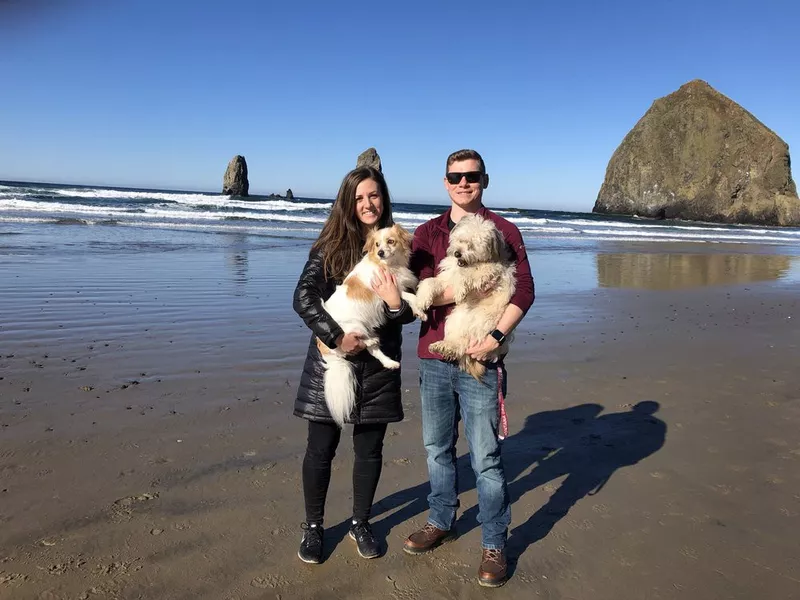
{"x":55,"y":207}
{"x":60,"y":208}
{"x":195,"y":199}
{"x":533,"y":221}
{"x":551,"y":229}
{"x":255,"y":205}
{"x":129,"y":195}
{"x":422,"y":217}
{"x":21,"y":219}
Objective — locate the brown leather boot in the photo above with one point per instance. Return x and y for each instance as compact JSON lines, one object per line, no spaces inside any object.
{"x":493,"y":571}
{"x":426,"y":539}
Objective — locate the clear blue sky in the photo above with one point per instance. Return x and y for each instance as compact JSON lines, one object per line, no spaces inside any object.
{"x":163,"y":93}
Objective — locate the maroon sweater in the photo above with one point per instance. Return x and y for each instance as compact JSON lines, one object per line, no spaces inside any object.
{"x":430,"y":247}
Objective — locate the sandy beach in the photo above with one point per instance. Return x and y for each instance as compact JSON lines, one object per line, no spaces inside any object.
{"x":147,"y":447}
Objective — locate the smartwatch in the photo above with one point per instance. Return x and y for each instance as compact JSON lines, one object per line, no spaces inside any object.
{"x":499,"y":336}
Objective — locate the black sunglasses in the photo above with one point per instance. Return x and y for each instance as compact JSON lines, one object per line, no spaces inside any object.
{"x":472,"y":177}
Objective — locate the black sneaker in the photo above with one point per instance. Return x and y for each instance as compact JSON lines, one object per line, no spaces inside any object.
{"x":311,"y":545}
{"x":368,"y":546}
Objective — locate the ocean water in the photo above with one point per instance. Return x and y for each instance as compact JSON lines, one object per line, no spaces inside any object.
{"x":50,"y":204}
{"x":50,"y":233}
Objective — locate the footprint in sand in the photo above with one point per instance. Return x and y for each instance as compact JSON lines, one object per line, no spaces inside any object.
{"x":269,"y":581}
{"x":61,"y":568}
{"x":123,"y":508}
{"x":263,"y":468}
{"x":118,"y":567}
{"x":12,"y":578}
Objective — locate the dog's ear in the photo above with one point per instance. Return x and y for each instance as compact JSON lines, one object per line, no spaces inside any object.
{"x":403,"y":237}
{"x":499,"y":246}
{"x":371,"y":238}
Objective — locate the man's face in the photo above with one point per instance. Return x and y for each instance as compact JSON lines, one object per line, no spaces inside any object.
{"x":464,"y":193}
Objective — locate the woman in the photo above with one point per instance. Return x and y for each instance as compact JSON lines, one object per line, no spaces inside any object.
{"x":361,"y":204}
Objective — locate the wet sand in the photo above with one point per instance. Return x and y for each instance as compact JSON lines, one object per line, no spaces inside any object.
{"x":147,"y":447}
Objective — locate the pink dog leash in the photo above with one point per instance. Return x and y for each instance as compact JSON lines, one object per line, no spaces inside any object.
{"x":501,"y":403}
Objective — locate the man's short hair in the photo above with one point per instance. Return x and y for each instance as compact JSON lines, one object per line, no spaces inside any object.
{"x":465,"y":154}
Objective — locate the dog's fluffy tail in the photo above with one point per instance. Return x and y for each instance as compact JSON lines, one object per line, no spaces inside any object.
{"x":473,"y":367}
{"x":340,"y":387}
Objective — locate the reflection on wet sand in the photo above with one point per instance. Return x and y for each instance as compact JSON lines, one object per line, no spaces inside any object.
{"x":673,"y":271}
{"x":237,"y":259}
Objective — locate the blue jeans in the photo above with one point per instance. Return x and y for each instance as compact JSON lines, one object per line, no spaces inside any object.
{"x":448,"y":392}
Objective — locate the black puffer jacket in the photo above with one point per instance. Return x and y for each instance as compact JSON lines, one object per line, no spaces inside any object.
{"x":379,"y":398}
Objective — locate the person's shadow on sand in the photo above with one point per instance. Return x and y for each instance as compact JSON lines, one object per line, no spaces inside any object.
{"x":575,"y":442}
{"x":607,"y":443}
{"x":543,"y":433}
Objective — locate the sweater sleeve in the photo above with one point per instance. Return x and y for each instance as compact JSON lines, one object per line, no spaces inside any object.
{"x":524,"y":294}
{"x":422,"y":261}
{"x":402,"y":315}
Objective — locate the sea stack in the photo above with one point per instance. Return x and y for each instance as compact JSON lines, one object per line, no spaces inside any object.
{"x":235,"y":182}
{"x":369,"y":158}
{"x":289,"y":194}
{"x":697,"y":155}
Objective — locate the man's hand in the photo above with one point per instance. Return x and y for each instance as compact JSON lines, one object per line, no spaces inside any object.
{"x":385,"y":285}
{"x":480,"y":349}
{"x":350,"y":343}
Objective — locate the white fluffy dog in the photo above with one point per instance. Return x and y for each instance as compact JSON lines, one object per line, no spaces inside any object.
{"x":478,"y":270}
{"x":358,"y":309}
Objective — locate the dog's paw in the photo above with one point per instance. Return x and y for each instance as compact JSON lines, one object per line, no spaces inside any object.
{"x":413,"y":304}
{"x":420,"y":314}
{"x":424,"y":295}
{"x":442,"y":349}
{"x":423,"y":304}
{"x":391,"y":364}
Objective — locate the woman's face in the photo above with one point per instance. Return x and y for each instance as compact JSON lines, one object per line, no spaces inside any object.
{"x":369,"y":202}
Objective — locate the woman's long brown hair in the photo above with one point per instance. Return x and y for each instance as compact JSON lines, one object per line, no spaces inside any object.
{"x":341,"y":240}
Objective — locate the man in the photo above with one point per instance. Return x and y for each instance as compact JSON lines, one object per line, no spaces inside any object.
{"x":449,"y":394}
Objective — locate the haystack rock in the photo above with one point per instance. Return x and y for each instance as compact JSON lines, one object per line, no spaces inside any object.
{"x":235,"y":182}
{"x":369,"y":158}
{"x":289,"y":194}
{"x":698,"y":155}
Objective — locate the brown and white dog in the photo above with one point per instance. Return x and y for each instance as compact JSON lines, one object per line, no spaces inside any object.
{"x":358,"y":309}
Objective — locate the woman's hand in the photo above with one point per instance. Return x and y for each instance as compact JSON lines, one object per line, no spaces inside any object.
{"x":385,"y":285}
{"x":350,"y":343}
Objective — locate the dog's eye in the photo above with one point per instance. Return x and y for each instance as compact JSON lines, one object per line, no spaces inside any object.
{"x":390,"y":241}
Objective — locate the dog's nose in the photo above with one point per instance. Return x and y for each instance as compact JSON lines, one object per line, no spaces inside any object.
{"x":457,"y":253}
{"x":380,"y":253}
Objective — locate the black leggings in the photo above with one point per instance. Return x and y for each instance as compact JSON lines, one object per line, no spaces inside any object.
{"x":323,"y":439}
